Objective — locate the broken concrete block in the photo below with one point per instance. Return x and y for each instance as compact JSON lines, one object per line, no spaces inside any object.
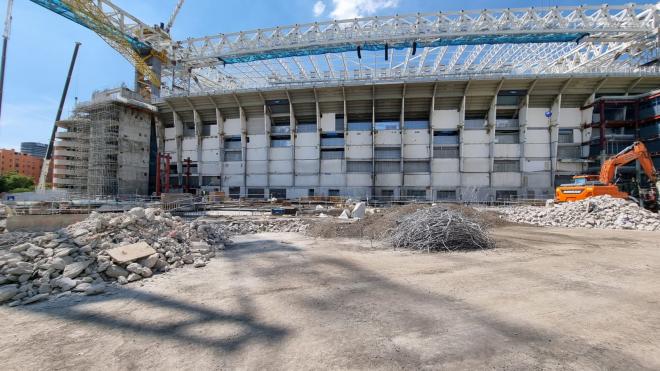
{"x":344,"y":215}
{"x":7,"y":292}
{"x":116,"y":271}
{"x":74,"y":269}
{"x":129,"y":253}
{"x":358,"y":210}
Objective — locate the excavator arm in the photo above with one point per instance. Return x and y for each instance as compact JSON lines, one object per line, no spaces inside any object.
{"x":636,"y":151}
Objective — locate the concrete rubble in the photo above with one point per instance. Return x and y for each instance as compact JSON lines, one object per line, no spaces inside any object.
{"x":602,"y":212}
{"x":81,"y":257}
{"x":246,"y":226}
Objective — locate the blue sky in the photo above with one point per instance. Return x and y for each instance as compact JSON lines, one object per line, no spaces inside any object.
{"x":41,"y":44}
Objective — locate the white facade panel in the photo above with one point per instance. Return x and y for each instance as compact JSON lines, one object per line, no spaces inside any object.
{"x":358,"y":152}
{"x":256,"y":167}
{"x":358,"y":138}
{"x":233,"y":180}
{"x":280,"y":180}
{"x":210,"y":143}
{"x":444,"y":119}
{"x":257,"y":154}
{"x":256,"y":125}
{"x":328,"y":121}
{"x":536,"y":117}
{"x":475,"y":150}
{"x":280,"y":166}
{"x":537,"y":180}
{"x":332,"y":166}
{"x":256,"y":141}
{"x":416,"y":151}
{"x":475,"y":136}
{"x":210,"y":155}
{"x":417,"y":180}
{"x":306,"y":181}
{"x":571,"y":167}
{"x":388,"y":137}
{"x":570,"y":117}
{"x":333,"y":180}
{"x":256,"y":180}
{"x":388,"y":180}
{"x":191,"y":153}
{"x":189,"y":144}
{"x":358,"y":180}
{"x":233,"y":168}
{"x":209,"y":168}
{"x":506,"y":150}
{"x":233,"y":126}
{"x":412,"y":137}
{"x":507,"y":180}
{"x":307,"y":152}
{"x":537,"y":136}
{"x":535,"y":165}
{"x":307,"y":166}
{"x":537,"y":150}
{"x":284,"y":153}
{"x":446,"y":179}
{"x":476,"y":165}
{"x":307,"y":139}
{"x":170,"y":145}
{"x":170,"y":132}
{"x":475,"y":179}
{"x":445,"y":165}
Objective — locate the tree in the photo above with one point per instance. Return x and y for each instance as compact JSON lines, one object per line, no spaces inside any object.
{"x":14,"y":182}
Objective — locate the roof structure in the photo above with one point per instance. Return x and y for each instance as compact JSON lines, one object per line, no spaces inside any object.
{"x":622,"y":40}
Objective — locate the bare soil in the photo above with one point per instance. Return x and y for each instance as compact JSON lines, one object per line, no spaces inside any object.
{"x":544,"y":299}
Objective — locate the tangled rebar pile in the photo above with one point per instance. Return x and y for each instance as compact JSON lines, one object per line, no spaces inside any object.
{"x":437,"y":228}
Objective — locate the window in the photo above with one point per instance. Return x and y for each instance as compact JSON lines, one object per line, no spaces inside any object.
{"x":506,"y":166}
{"x":206,"y":129}
{"x":280,"y":143}
{"x":387,"y":125}
{"x":306,"y":127}
{"x":280,"y":128}
{"x":506,"y":195}
{"x":332,"y":140}
{"x":416,"y":167}
{"x":332,"y":154}
{"x":416,"y":124}
{"x":385,"y":167}
{"x":359,"y":126}
{"x":416,"y":194}
{"x":445,"y":195}
{"x":232,"y":142}
{"x":310,"y":192}
{"x":565,"y":136}
{"x":279,"y":193}
{"x":333,"y":192}
{"x":387,"y":193}
{"x":234,"y":192}
{"x":339,"y":122}
{"x":569,"y":152}
{"x":507,"y":137}
{"x":233,"y":156}
{"x":474,"y":123}
{"x":255,"y":193}
{"x":388,"y":153}
{"x":358,"y":166}
{"x":188,"y":129}
{"x":445,"y":152}
{"x":445,"y":137}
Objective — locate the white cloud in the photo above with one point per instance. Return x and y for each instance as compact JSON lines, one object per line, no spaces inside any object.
{"x":344,"y":9}
{"x":319,"y":8}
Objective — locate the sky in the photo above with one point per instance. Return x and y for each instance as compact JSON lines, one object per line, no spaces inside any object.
{"x":41,"y":43}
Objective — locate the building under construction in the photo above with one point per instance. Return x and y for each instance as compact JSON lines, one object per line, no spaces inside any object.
{"x":104,"y":148}
{"x":469,"y":105}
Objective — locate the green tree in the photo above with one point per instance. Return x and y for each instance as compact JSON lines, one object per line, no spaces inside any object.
{"x":14,"y":182}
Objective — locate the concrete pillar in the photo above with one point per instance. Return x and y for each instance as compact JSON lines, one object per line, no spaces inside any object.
{"x":553,"y":124}
{"x":267,"y":133}
{"x":178,"y":129}
{"x":160,"y":134}
{"x":492,"y":123}
{"x":431,"y":114}
{"x":523,"y":140}
{"x":243,"y":120}
{"x":220,"y":123}
{"x":199,"y":130}
{"x":373,"y":141}
{"x":461,"y":127}
{"x":402,"y":118}
{"x":292,"y":131}
{"x":318,"y":134}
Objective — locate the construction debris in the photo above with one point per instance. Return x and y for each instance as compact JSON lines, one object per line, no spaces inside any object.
{"x":437,"y":228}
{"x":603,"y":212}
{"x":102,"y":248}
{"x":249,"y":226}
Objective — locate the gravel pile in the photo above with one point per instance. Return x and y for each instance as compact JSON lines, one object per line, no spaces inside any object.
{"x":603,"y":212}
{"x":77,"y":259}
{"x":246,"y":226}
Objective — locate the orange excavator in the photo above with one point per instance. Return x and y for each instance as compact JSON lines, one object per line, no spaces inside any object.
{"x":585,"y":186}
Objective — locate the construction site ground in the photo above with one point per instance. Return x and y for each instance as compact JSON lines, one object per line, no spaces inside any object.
{"x":545,"y":298}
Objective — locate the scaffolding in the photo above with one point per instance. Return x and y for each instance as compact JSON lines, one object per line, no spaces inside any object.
{"x":103,"y":147}
{"x":71,"y":156}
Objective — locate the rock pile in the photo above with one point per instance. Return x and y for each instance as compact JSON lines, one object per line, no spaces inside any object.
{"x":85,"y":256}
{"x":603,"y":212}
{"x":248,"y":226}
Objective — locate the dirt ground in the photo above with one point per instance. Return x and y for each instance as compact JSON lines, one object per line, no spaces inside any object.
{"x":545,"y":299}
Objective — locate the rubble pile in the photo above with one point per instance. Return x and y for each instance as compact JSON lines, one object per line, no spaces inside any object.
{"x":603,"y":212}
{"x":247,"y":226}
{"x":103,"y":248}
